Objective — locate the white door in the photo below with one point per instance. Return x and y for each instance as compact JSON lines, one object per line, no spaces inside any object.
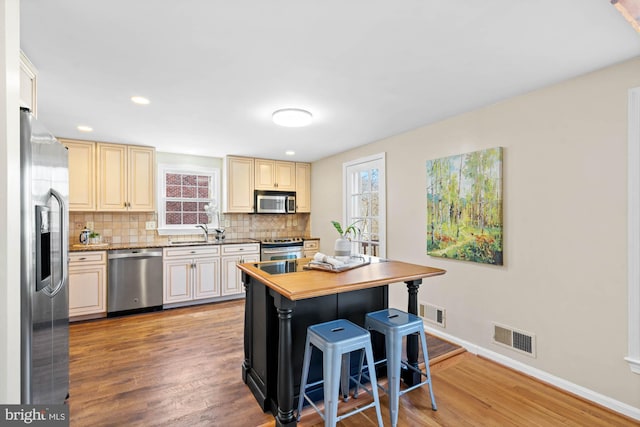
{"x":365,"y":203}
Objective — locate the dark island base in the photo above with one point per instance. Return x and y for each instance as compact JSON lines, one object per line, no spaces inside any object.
{"x":260,"y":368}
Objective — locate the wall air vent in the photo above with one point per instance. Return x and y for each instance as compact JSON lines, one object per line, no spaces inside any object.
{"x":524,"y":342}
{"x":432,"y":314}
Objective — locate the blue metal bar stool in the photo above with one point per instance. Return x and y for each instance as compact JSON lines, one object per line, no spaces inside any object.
{"x":394,"y":325}
{"x":335,"y":339}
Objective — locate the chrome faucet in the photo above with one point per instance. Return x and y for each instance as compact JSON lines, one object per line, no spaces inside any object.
{"x":206,"y":231}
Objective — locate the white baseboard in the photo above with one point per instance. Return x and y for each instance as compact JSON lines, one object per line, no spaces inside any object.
{"x":585,"y":393}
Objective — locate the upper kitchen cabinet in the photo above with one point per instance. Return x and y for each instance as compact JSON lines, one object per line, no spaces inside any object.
{"x":82,"y":174}
{"x":303,"y":187}
{"x":28,"y":84}
{"x":126,"y":178}
{"x":237,"y":190}
{"x":275,"y":175}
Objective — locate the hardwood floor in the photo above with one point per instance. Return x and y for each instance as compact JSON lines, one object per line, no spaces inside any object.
{"x":179,"y":367}
{"x":473,"y":391}
{"x":182,"y":367}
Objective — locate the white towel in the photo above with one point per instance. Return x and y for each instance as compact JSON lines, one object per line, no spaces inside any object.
{"x":320,"y":257}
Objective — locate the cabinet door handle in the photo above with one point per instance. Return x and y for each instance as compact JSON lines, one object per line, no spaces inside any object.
{"x":81,"y":259}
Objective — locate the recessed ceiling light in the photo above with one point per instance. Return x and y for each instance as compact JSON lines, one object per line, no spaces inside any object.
{"x":83,"y":128}
{"x":140,"y":100}
{"x":290,"y":153}
{"x":292,"y":117}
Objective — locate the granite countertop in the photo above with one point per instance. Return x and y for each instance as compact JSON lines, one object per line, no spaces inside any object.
{"x":114,"y":246}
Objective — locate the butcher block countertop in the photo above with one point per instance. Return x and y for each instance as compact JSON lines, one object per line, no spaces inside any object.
{"x":302,"y":283}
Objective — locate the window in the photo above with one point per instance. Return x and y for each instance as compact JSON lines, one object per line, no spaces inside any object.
{"x":365,"y":203}
{"x":188,"y":195}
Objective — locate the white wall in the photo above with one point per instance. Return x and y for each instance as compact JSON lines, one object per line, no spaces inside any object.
{"x":187,"y":159}
{"x":565,"y":183}
{"x":9,"y":202}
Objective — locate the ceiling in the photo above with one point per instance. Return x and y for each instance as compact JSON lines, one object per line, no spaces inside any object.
{"x":366,"y":69}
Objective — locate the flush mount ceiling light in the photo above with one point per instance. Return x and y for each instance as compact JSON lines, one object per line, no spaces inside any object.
{"x":141,"y":100}
{"x":292,"y":117}
{"x":83,"y":128}
{"x":630,"y":9}
{"x":290,"y":153}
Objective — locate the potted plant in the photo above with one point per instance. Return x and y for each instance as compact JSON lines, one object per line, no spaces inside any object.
{"x":94,"y":237}
{"x":342,"y":246}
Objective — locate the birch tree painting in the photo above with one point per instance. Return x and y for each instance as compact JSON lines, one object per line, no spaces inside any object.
{"x":464,"y":207}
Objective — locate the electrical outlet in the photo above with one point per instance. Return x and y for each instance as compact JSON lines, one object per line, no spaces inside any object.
{"x":150,"y":225}
{"x":90,"y":225}
{"x":227,"y":223}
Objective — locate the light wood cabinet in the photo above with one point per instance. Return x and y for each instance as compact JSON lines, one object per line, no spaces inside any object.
{"x":237,"y":191}
{"x":196,"y":274}
{"x":275,"y":175}
{"x":141,"y":175}
{"x":28,"y":85}
{"x":232,"y":255}
{"x":177,"y":280}
{"x":243,"y":175}
{"x":126,"y":178}
{"x":310,"y":247}
{"x":303,"y":187}
{"x":191,"y":273}
{"x":82,"y":174}
{"x":87,"y":285}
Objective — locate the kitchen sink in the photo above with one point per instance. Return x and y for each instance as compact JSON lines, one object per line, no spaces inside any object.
{"x":189,"y":243}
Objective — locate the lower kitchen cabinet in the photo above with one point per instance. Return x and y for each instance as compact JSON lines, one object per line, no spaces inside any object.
{"x":87,"y":285}
{"x":191,"y":273}
{"x":311,"y":247}
{"x":197,"y":274}
{"x":233,"y":255}
{"x":231,"y":276}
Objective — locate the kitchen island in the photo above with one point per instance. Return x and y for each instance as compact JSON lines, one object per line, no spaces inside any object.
{"x":283,"y":299}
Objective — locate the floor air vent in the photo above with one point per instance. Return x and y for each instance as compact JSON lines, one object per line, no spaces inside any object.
{"x":432,"y":314}
{"x":521,"y":341}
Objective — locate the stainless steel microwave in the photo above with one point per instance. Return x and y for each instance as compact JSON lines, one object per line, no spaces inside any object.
{"x":275,"y":202}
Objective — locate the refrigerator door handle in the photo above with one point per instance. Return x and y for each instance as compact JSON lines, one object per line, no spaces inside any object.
{"x":63,"y":245}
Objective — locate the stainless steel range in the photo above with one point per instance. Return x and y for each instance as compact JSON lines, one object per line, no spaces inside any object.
{"x":281,"y":248}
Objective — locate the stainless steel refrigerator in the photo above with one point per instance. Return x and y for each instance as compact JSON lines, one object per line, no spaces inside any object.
{"x":44,"y":180}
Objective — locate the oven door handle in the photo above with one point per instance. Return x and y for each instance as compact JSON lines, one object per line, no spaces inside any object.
{"x":280,"y":251}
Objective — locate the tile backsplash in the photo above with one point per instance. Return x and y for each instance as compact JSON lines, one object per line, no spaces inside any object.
{"x":124,"y":227}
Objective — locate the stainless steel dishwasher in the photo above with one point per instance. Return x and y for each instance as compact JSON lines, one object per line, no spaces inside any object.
{"x":134,"y":280}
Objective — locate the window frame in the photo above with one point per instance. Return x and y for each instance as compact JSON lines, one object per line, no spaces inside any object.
{"x":163,"y":169}
{"x":347,"y":218}
{"x":633,"y":218}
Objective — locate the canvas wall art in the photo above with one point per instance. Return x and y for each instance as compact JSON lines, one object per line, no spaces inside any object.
{"x":464,"y":207}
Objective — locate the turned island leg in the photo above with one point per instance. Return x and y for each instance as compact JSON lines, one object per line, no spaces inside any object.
{"x":285,"y":416}
{"x":410,"y":377}
{"x":248,"y":333}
